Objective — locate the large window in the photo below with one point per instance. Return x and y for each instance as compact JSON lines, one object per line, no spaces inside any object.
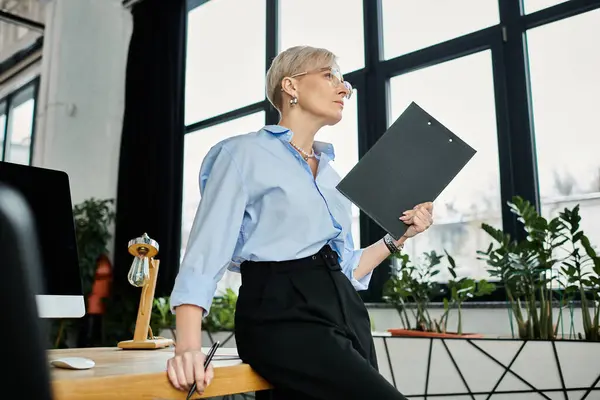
{"x":460,"y":94}
{"x":17,"y":116}
{"x":564,"y":64}
{"x":336,"y":25}
{"x":412,"y":25}
{"x":517,"y":80}
{"x":530,"y":6}
{"x":225,"y":57}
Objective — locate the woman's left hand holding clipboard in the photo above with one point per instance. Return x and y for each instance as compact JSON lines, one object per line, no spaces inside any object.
{"x":419,"y":219}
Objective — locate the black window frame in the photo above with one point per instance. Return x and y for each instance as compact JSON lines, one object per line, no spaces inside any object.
{"x":9,"y":103}
{"x":516,"y":139}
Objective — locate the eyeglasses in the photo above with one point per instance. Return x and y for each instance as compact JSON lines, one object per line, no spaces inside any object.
{"x":336,"y":78}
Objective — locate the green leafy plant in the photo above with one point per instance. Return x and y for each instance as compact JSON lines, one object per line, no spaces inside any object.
{"x":462,"y":289}
{"x":525,"y":268}
{"x":411,"y":283}
{"x":581,"y":271}
{"x":162,"y":317}
{"x":412,"y":286}
{"x":92,"y":219}
{"x":534,"y":270}
{"x":222,"y":313}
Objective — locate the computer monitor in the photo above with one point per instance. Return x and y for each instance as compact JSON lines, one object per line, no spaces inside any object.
{"x":48,"y":194}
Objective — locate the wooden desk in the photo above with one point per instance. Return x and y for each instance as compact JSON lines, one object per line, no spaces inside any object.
{"x":141,"y":374}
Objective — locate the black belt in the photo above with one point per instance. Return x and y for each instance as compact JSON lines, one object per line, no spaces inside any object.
{"x":326,"y":257}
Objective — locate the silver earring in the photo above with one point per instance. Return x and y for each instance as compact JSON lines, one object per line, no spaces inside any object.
{"x":293,"y":101}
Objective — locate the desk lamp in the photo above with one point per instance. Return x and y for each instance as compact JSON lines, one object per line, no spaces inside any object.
{"x":143,"y":273}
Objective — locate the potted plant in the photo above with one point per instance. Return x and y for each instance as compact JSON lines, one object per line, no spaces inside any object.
{"x":582,"y":274}
{"x":411,"y":287}
{"x":462,"y":289}
{"x":543,"y":274}
{"x":554,"y":264}
{"x":92,"y":218}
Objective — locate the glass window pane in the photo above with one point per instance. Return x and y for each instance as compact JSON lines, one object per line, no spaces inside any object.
{"x":460,"y":94}
{"x":413,"y":25}
{"x":2,"y":133}
{"x":2,"y":128}
{"x":225,"y":67}
{"x":530,"y":6}
{"x":22,"y":32}
{"x":20,"y":128}
{"x":336,"y":25}
{"x":564,"y":60}
{"x":197,"y":144}
{"x":344,"y":137}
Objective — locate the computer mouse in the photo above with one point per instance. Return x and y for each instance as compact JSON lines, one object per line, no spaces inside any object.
{"x":73,"y":363}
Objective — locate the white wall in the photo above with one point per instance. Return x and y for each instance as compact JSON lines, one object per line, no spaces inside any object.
{"x":82,"y":93}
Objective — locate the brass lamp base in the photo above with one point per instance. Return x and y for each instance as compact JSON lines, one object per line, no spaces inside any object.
{"x":148,"y":344}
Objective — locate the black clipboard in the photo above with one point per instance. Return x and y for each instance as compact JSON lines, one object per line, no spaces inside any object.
{"x":412,"y":163}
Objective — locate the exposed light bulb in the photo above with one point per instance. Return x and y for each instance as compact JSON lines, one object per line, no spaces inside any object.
{"x":139,"y":272}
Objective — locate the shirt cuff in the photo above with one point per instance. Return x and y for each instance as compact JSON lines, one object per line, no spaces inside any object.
{"x":193,"y":289}
{"x":351,"y":266}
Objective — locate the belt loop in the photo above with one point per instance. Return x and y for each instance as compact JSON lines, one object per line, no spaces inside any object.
{"x":328,"y":255}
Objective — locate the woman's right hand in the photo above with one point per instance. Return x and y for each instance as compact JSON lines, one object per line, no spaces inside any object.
{"x":187,"y":367}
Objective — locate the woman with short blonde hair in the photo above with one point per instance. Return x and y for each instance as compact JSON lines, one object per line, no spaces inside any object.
{"x":291,"y":62}
{"x":271,"y":211}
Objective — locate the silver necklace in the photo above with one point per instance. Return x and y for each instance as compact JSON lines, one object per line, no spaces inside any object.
{"x":305,"y":155}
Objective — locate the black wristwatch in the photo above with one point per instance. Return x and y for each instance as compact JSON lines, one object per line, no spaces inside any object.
{"x":392,"y":247}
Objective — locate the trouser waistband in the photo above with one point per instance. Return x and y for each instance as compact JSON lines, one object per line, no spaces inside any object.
{"x":326,"y":257}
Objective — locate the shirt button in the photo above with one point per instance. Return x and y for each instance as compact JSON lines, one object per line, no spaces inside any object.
{"x":314,"y":257}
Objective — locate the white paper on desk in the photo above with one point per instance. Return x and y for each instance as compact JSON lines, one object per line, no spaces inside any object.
{"x":226,"y":357}
{"x":224,"y":353}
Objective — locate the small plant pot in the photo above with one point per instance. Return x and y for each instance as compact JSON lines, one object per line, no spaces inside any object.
{"x":415,"y":333}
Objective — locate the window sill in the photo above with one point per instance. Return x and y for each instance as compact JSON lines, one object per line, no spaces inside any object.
{"x":466,"y":305}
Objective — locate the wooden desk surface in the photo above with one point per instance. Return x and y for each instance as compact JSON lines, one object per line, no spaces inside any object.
{"x":141,"y":374}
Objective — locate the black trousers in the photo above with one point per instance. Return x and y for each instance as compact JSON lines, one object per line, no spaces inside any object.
{"x":302,"y":326}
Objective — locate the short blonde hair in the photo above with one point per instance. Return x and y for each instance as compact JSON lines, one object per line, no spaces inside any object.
{"x":292,"y":61}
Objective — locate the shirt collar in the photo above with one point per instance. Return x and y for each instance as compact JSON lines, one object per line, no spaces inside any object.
{"x":286,"y":135}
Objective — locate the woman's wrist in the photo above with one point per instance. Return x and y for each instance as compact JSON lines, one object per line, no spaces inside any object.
{"x":393,"y":245}
{"x":401,"y":241}
{"x":189,"y":328}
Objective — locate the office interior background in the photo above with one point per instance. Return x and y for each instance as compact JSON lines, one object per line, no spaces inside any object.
{"x":516,"y":79}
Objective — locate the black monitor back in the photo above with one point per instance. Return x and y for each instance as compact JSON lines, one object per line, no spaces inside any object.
{"x":26,"y":338}
{"x":48,"y":194}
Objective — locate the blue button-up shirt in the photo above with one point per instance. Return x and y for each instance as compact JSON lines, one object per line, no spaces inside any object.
{"x":260,"y":202}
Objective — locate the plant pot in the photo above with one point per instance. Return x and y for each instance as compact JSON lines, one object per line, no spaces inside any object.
{"x":415,"y":333}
